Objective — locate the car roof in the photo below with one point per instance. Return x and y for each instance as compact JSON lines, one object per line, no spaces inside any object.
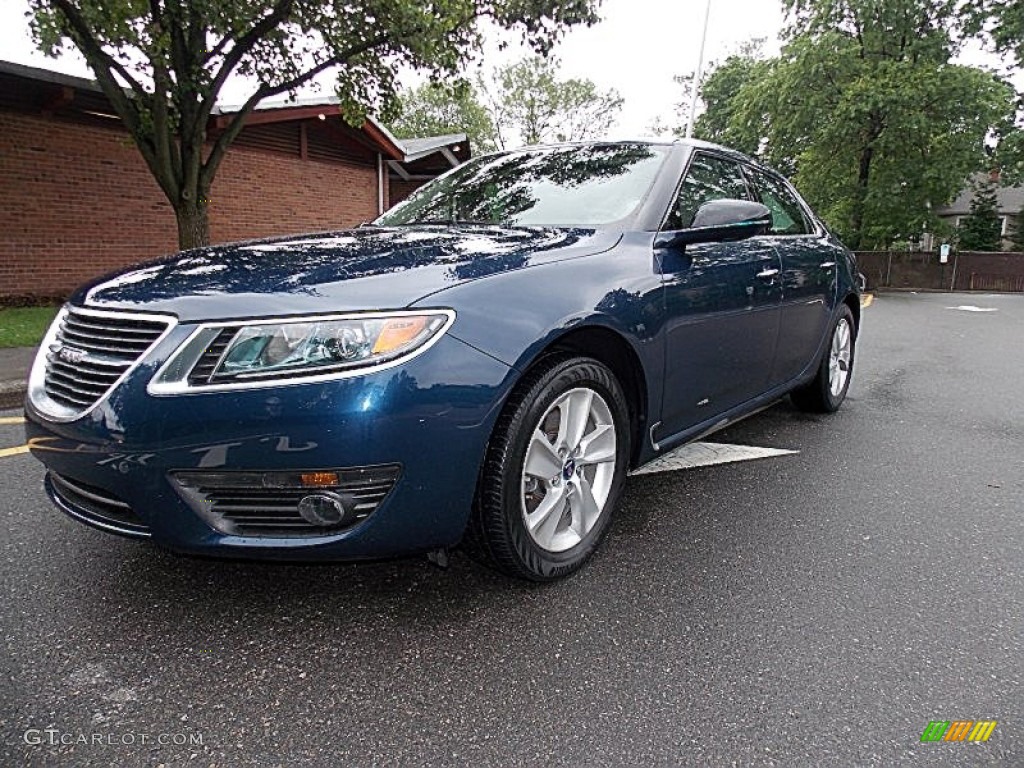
{"x":733,"y":153}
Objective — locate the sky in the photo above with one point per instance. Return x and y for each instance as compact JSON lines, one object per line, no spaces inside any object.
{"x":637,"y":48}
{"x":640,"y":45}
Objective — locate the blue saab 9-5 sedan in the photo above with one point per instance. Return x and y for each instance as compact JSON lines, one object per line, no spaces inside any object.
{"x":482,"y":364}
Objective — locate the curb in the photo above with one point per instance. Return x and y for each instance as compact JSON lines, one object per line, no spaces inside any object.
{"x":890,"y":289}
{"x":12,"y":394}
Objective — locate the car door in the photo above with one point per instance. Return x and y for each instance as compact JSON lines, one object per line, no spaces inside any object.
{"x":808,"y":275}
{"x":722,"y":303}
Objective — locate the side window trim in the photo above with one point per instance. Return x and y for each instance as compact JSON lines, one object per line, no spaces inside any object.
{"x":815,"y":226}
{"x":817,"y":229}
{"x":694,"y":156}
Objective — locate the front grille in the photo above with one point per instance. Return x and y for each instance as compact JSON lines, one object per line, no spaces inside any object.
{"x":267,"y":503}
{"x":91,"y":351}
{"x":96,"y":506}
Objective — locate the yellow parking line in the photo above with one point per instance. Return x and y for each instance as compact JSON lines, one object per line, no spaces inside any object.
{"x":5,"y":452}
{"x":866,"y":299}
{"x":12,"y":420}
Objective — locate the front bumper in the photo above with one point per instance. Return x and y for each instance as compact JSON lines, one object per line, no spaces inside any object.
{"x":431,"y":417}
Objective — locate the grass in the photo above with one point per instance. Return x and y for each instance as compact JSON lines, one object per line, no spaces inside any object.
{"x":24,"y":326}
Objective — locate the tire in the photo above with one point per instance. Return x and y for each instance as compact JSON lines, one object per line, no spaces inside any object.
{"x":826,"y":392}
{"x":532,"y":517}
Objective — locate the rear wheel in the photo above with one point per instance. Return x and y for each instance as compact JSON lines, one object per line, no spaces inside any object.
{"x":828,"y":389}
{"x":554,"y":471}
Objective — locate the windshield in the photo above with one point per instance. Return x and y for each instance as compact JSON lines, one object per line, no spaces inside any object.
{"x":589,"y":185}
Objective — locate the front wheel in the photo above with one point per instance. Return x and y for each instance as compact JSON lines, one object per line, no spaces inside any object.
{"x":554,"y":471}
{"x":826,"y":392}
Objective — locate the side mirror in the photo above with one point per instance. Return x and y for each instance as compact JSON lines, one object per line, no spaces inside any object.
{"x":720,"y":221}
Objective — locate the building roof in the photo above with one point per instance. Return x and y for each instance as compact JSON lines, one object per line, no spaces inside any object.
{"x":1009,"y":200}
{"x":277,"y":109}
{"x":417,"y":148}
{"x":47,"y":76}
{"x":268,"y":111}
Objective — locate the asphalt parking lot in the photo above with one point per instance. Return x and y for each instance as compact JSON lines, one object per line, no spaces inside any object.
{"x":816,"y":608}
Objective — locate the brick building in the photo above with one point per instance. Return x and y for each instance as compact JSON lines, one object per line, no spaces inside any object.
{"x":77,"y":200}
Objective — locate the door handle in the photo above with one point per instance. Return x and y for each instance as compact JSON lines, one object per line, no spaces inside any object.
{"x":767,"y":274}
{"x":827,"y":264}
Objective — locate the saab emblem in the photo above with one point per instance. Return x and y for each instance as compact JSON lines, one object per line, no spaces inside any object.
{"x":71,"y":355}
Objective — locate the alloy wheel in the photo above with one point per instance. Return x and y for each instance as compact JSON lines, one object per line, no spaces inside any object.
{"x":839,"y":357}
{"x":569,"y":469}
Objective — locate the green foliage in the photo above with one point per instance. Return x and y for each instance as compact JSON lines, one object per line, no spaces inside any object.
{"x":724,"y":124}
{"x":1000,"y":20}
{"x":523,"y":103}
{"x":1002,"y":23}
{"x":24,"y":326}
{"x":162,"y":63}
{"x":530,"y":104}
{"x":865,"y":109}
{"x":981,"y":230}
{"x":718,"y":88}
{"x":1010,"y":157}
{"x":435,"y":110}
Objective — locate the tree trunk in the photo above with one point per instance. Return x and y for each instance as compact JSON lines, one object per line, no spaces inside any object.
{"x":863,"y":177}
{"x":193,"y":226}
{"x":867,"y":154}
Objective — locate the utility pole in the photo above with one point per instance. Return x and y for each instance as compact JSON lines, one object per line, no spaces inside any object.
{"x":700,"y":72}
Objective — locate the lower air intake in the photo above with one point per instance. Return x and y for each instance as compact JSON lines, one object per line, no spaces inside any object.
{"x":95,"y":506}
{"x":270,"y":503}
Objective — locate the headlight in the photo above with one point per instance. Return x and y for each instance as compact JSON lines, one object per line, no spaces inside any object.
{"x":265,"y":352}
{"x":261,"y":351}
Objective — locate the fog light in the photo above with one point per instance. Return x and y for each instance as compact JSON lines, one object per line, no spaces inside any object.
{"x":325,"y":509}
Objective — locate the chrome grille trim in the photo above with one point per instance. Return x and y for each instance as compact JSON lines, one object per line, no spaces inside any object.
{"x":95,"y":507}
{"x":108,"y":345}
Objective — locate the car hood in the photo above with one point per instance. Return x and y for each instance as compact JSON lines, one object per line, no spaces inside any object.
{"x":361,"y":269}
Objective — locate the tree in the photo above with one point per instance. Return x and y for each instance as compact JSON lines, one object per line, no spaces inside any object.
{"x":718,"y":87}
{"x":865,"y":109}
{"x":982,"y":228}
{"x":530,"y":104}
{"x":1010,"y":153}
{"x":721,"y":125}
{"x":163,"y":63}
{"x":1002,"y":22}
{"x":434,"y":110}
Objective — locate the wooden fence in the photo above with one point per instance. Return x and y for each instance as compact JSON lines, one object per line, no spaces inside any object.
{"x":966,"y":271}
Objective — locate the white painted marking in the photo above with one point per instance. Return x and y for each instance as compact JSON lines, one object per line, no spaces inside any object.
{"x":972,"y":308}
{"x":706,"y":455}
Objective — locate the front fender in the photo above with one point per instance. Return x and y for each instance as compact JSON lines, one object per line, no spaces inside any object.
{"x":516,"y":317}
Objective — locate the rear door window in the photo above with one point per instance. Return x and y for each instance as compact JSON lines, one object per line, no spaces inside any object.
{"x":788,"y":217}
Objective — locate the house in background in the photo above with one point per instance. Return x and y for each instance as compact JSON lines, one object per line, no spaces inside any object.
{"x":1010,"y":202}
{"x":77,"y":200}
{"x":425,"y":159}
